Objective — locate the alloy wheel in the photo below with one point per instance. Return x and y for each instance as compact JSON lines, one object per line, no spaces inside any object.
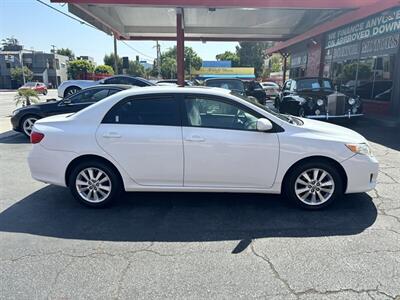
{"x":93,"y":185}
{"x":314,"y":186}
{"x":72,"y":91}
{"x":27,"y":126}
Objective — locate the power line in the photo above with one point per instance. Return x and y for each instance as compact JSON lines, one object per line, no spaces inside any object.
{"x":67,"y":15}
{"x":90,"y":25}
{"x":129,"y":46}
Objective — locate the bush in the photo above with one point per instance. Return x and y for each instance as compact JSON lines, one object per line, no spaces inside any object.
{"x":104,"y":69}
{"x":26,"y":97}
{"x":78,"y":68}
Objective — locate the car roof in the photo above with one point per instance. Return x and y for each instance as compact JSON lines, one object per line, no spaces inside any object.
{"x":100,"y":86}
{"x":311,"y":77}
{"x":224,"y":79}
{"x":176,"y":90}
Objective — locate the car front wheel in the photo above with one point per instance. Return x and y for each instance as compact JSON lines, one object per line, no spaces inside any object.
{"x":314,"y":185}
{"x":27,"y":124}
{"x":94,"y":184}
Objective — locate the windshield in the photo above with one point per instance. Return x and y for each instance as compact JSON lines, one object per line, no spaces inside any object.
{"x":251,"y":100}
{"x":314,"y":84}
{"x":233,"y":85}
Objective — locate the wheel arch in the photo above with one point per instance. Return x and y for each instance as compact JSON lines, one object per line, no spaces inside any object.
{"x":319,"y":159}
{"x":27,"y":115}
{"x":91,"y":157}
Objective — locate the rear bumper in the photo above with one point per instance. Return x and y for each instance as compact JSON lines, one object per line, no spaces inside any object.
{"x":362,"y":173}
{"x":49,"y":166}
{"x":327,"y":117}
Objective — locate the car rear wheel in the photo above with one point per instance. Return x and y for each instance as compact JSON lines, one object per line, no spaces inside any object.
{"x":27,"y":124}
{"x":314,"y":185}
{"x":94,"y":184}
{"x":71,"y":90}
{"x":45,"y":92}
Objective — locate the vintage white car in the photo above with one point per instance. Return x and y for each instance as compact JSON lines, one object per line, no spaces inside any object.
{"x":70,"y":87}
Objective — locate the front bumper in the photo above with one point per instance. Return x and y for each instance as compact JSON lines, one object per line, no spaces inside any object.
{"x":328,"y":117}
{"x":15,"y":123}
{"x":362,"y":173}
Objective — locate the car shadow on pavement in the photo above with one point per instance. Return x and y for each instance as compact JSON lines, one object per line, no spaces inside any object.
{"x":12,"y":137}
{"x":183,"y":217}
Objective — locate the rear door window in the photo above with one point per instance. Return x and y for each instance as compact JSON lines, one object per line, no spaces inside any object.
{"x":149,"y":110}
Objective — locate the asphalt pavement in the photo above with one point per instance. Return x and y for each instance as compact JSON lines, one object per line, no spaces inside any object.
{"x":194,"y":245}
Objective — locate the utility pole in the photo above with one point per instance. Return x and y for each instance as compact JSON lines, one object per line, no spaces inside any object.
{"x":115,"y":56}
{"x":54,"y":49}
{"x":158,"y":60}
{"x":22,"y":66}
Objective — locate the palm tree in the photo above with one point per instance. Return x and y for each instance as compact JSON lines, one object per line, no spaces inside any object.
{"x":26,"y":97}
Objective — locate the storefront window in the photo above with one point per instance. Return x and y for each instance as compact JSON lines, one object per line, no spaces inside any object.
{"x":344,"y":75}
{"x":375,"y":78}
{"x":297,"y":72}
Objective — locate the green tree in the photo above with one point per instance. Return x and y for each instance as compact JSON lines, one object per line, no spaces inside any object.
{"x":26,"y":97}
{"x":78,"y":68}
{"x":252,"y":54}
{"x":135,"y":69}
{"x":168,"y":62}
{"x":276,"y":63}
{"x":67,"y":52}
{"x":168,"y":67}
{"x":16,"y":74}
{"x":104,"y":69}
{"x":109,"y":61}
{"x":228,"y":55}
{"x":10,"y":44}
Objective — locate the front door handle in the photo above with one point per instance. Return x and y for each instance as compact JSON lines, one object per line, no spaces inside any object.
{"x":195,"y":138}
{"x":112,"y":135}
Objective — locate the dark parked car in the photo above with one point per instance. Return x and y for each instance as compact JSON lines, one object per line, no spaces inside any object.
{"x":174,"y":81}
{"x":243,"y":87}
{"x":316,"y":98}
{"x":23,"y":118}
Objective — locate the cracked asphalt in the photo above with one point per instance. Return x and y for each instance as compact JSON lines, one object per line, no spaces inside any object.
{"x":196,"y":246}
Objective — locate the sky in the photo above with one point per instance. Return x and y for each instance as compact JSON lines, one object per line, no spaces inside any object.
{"x":38,"y":27}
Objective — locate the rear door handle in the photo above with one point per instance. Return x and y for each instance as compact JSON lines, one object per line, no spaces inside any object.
{"x":195,"y":138}
{"x":111,"y":135}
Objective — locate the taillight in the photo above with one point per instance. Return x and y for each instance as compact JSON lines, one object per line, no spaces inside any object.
{"x":36,"y":137}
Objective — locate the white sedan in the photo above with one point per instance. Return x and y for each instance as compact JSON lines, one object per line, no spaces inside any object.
{"x":197,"y":140}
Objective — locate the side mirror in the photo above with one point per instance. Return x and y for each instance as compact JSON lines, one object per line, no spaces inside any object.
{"x":264,"y":124}
{"x":101,"y":81}
{"x":66,"y":101}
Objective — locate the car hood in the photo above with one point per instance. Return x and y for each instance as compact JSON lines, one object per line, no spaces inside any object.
{"x":316,"y":93}
{"x":327,"y":131}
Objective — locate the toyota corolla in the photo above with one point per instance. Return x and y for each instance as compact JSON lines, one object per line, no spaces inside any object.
{"x":197,"y":140}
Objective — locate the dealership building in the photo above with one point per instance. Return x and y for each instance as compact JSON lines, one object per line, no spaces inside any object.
{"x":359,"y":51}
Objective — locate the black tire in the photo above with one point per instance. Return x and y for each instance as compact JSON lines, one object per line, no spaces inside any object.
{"x":71,"y":90}
{"x":45,"y":92}
{"x":290,"y":185}
{"x":115,"y":185}
{"x":22,"y":122}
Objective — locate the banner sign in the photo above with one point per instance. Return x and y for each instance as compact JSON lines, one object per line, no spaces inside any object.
{"x":224,"y":71}
{"x":347,"y":51}
{"x":386,"y":44}
{"x":386,"y":22}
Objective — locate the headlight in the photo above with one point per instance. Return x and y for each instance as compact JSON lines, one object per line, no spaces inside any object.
{"x":320,"y":102}
{"x":363,"y":149}
{"x":352,"y":101}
